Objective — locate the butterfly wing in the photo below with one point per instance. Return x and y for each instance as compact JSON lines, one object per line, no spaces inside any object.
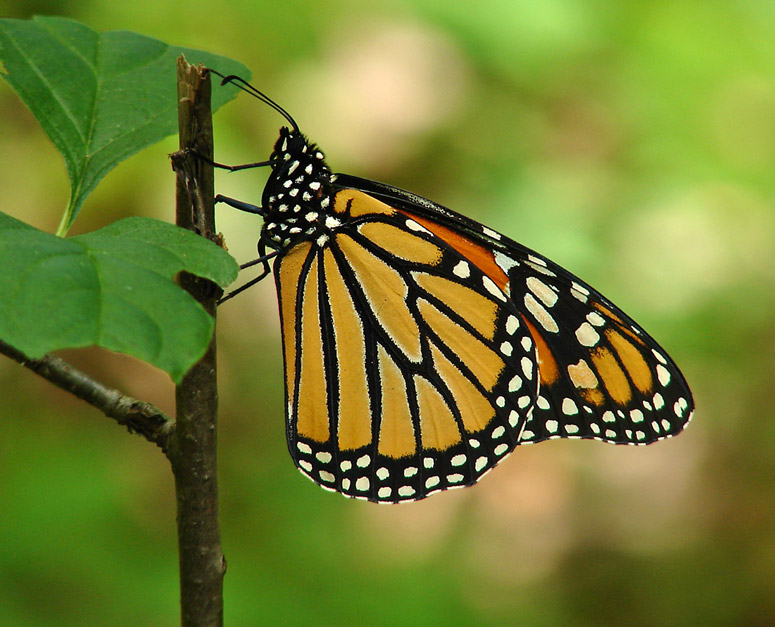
{"x":408,"y":369}
{"x":601,"y":375}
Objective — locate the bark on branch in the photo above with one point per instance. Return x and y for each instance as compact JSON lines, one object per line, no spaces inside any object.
{"x":192,"y":451}
{"x":138,"y":416}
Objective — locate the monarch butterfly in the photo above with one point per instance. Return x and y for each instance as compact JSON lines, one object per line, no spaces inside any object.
{"x":421,"y":347}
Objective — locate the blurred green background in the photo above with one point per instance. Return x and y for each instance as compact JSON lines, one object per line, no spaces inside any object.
{"x":632,"y":142}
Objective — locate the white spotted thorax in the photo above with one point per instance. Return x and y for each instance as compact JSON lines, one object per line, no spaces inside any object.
{"x":298,"y":193}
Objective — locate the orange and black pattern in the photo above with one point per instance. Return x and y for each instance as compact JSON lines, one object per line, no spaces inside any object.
{"x":422,"y":347}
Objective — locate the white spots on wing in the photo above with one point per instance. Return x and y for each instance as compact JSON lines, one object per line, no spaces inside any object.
{"x":569,"y":407}
{"x":462,"y":270}
{"x":512,"y":324}
{"x":659,"y":356}
{"x":544,"y":293}
{"x":362,"y":484}
{"x":406,"y":490}
{"x":304,"y":448}
{"x":527,"y":368}
{"x":595,"y":319}
{"x":432,"y":482}
{"x":579,"y":288}
{"x":663,"y":374}
{"x":542,"y":316}
{"x":579,"y":292}
{"x":492,"y":288}
{"x":504,"y":262}
{"x":586,"y":335}
{"x":582,"y":375}
{"x":416,"y":226}
{"x":490,"y":233}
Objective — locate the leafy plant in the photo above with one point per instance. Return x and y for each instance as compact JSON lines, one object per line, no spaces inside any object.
{"x":102,"y":97}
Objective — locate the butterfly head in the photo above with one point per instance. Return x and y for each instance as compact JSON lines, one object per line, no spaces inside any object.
{"x":298,"y":192}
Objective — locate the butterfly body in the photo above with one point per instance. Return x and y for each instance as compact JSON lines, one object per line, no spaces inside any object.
{"x":422,"y":347}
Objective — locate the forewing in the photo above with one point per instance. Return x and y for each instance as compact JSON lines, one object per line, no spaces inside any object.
{"x":601,"y":375}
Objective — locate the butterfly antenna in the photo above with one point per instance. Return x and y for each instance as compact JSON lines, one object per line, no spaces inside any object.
{"x":248,"y":88}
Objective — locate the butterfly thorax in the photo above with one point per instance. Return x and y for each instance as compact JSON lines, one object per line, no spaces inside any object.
{"x":298,"y":195}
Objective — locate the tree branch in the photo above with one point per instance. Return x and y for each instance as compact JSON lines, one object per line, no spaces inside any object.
{"x":138,"y":416}
{"x":192,"y":451}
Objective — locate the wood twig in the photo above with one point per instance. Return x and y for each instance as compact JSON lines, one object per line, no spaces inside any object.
{"x":138,"y":416}
{"x":192,"y":451}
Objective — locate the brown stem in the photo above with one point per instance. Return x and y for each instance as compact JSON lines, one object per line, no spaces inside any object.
{"x":192,"y":450}
{"x":138,"y":416}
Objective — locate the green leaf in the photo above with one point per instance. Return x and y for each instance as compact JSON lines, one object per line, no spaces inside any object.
{"x":113,"y":287}
{"x":100,"y":97}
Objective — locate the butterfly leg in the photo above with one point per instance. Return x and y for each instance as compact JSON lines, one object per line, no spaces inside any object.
{"x":238,"y":204}
{"x":264,"y":261}
{"x":230,"y":168}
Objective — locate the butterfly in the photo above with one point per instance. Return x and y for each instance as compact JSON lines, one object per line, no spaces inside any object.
{"x":421,"y":347}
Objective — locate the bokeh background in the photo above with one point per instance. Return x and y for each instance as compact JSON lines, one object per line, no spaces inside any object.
{"x":633,"y":142}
